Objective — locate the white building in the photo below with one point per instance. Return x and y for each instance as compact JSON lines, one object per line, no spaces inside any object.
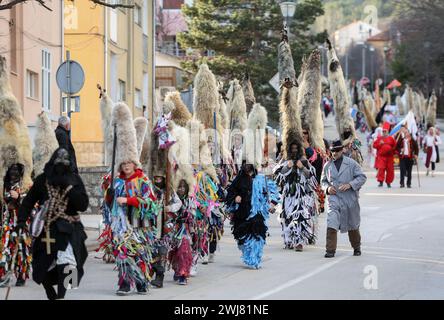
{"x":352,"y":33}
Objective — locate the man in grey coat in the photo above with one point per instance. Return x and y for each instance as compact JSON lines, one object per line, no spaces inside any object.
{"x":342,"y":177}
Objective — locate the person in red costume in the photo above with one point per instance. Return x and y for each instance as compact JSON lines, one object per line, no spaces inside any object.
{"x":385,"y":146}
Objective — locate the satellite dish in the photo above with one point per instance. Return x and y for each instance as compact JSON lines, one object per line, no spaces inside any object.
{"x":74,"y":82}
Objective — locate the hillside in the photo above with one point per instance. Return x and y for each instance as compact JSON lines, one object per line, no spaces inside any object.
{"x":339,"y":13}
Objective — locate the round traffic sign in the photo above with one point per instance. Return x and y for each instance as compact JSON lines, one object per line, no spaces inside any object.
{"x":74,"y":82}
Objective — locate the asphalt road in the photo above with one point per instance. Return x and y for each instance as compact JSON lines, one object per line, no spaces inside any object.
{"x":402,"y":257}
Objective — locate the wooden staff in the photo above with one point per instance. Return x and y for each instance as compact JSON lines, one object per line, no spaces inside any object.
{"x":167,"y":193}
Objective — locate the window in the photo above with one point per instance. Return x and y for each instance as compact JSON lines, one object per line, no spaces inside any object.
{"x":138,"y":99}
{"x":137,"y":15}
{"x":46,"y":80}
{"x":32,"y":82}
{"x":113,"y":25}
{"x":122,"y":91}
{"x":145,"y":88}
{"x":113,"y":77}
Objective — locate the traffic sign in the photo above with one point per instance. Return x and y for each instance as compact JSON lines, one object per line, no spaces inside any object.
{"x":70,"y":77}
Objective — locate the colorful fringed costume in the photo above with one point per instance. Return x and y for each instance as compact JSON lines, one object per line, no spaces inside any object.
{"x":10,"y":241}
{"x":106,"y":237}
{"x":180,"y":255}
{"x":298,"y":189}
{"x":249,"y":217}
{"x":132,"y":228}
{"x":209,"y":217}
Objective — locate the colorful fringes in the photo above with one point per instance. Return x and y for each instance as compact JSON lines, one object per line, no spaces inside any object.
{"x":252,"y":251}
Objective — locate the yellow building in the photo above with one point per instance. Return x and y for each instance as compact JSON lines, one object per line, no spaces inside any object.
{"x":115,"y":49}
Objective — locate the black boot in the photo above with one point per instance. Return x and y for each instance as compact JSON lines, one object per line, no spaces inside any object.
{"x":380,"y":184}
{"x":20,"y":282}
{"x":124,"y":289}
{"x":357,"y":252}
{"x":329,"y":255}
{"x":158,"y":282}
{"x":141,"y":288}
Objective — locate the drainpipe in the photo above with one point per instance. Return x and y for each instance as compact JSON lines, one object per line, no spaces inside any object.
{"x":62,"y":43}
{"x":153,"y":64}
{"x":105,"y":71}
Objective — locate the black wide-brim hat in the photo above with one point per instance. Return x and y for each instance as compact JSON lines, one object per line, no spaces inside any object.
{"x":336,"y":146}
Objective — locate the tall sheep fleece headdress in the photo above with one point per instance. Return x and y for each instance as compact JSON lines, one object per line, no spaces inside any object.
{"x":285,"y":62}
{"x":179,"y":154}
{"x":45,"y":143}
{"x":15,"y":144}
{"x":126,"y":136}
{"x":225,"y":120}
{"x":338,"y":90}
{"x":238,"y":112}
{"x":290,"y":118}
{"x":247,"y":87}
{"x":199,"y":152}
{"x":179,"y":113}
{"x":431,"y":111}
{"x":309,"y":100}
{"x":255,"y":135}
{"x":141,"y":126}
{"x":206,"y":96}
{"x":106,"y":109}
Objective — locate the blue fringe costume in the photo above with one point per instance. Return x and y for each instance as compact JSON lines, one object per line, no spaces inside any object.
{"x":249,"y":218}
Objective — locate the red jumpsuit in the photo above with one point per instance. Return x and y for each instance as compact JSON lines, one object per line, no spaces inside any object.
{"x":385,"y":147}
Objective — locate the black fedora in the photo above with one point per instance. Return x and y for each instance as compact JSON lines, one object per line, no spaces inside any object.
{"x":336,"y":146}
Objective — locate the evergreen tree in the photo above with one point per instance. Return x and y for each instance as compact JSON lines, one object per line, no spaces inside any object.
{"x":244,"y":34}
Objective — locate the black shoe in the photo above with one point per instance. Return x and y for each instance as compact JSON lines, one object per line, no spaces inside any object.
{"x":357,"y":252}
{"x":329,"y":255}
{"x":183,"y":281}
{"x":409,"y":186}
{"x":123,"y":290}
{"x":176,"y":277}
{"x":158,"y":282}
{"x":141,"y":289}
{"x":20,"y":282}
{"x":381,"y":184}
{"x":389,"y":185}
{"x":401,"y":186}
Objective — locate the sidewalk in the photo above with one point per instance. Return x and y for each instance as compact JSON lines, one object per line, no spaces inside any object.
{"x":91,"y":223}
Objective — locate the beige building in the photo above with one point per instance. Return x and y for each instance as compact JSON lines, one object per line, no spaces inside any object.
{"x":115,"y":49}
{"x":31,"y":39}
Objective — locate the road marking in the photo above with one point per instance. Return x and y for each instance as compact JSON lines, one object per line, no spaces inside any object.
{"x":300,"y":279}
{"x":385,"y":236}
{"x":412,"y":259}
{"x":437,"y":195}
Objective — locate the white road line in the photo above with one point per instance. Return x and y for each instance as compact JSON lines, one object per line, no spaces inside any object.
{"x":387,"y":194}
{"x":300,"y":279}
{"x":385,"y":236}
{"x":413,"y":259}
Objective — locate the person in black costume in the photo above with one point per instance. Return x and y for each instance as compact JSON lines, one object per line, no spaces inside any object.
{"x":65,"y":253}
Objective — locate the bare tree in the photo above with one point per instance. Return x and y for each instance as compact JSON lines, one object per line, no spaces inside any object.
{"x":9,"y":4}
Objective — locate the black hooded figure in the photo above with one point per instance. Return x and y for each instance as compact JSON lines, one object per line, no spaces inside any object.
{"x":65,"y":254}
{"x":242,"y":186}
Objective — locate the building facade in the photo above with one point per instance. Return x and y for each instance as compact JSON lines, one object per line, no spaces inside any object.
{"x":116,"y":50}
{"x":31,"y":40}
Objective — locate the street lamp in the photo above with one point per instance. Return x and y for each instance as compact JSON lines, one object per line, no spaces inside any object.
{"x":372,"y":50}
{"x":363,"y":56}
{"x":386,"y":49}
{"x":288,"y":9}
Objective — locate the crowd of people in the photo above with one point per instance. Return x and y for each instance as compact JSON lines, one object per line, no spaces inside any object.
{"x":168,"y":191}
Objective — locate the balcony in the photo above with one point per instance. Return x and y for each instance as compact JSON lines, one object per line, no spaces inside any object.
{"x":171,"y":48}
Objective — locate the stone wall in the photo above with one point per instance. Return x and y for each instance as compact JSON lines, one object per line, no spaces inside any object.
{"x":89,"y":154}
{"x":92,"y":178}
